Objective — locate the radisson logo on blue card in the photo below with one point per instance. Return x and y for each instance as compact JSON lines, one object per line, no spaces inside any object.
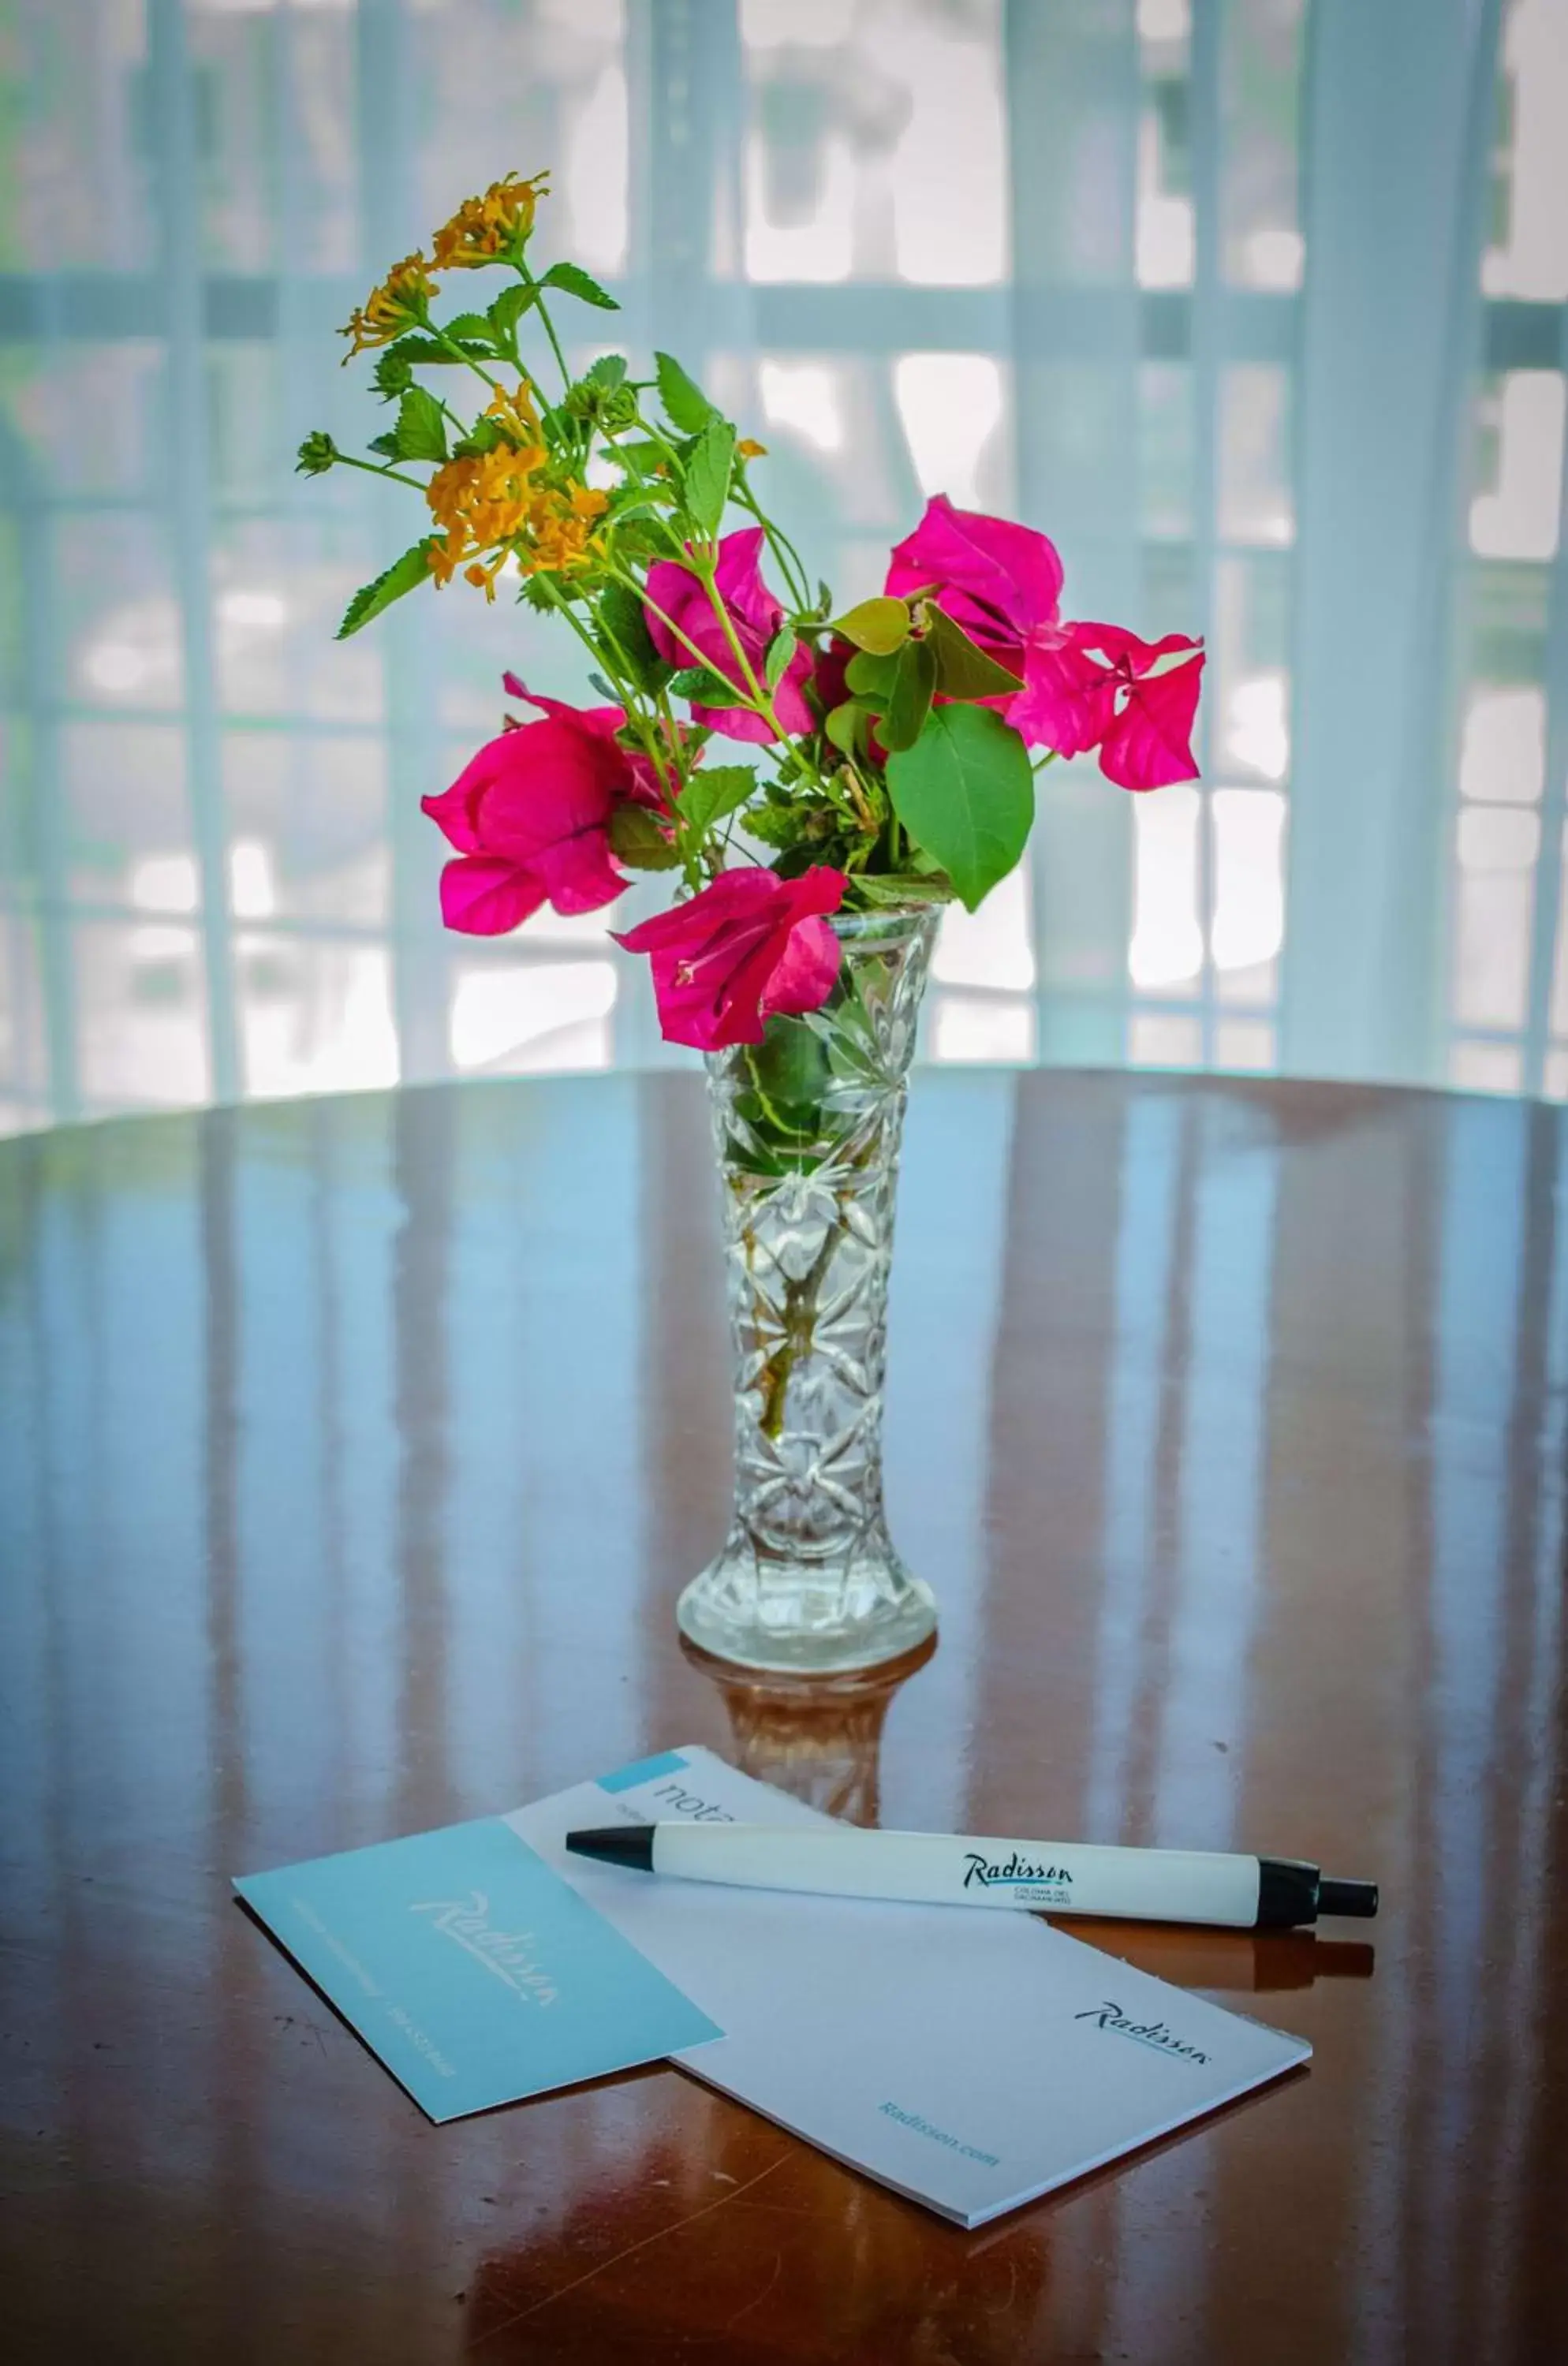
{"x":512,"y":1956}
{"x":471,"y":1968}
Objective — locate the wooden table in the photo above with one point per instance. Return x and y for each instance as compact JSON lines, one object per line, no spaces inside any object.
{"x":352,"y":1454}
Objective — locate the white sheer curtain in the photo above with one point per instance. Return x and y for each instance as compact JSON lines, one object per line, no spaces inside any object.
{"x":1257,"y":306}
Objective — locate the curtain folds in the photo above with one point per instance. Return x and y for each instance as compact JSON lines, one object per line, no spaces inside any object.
{"x":1257,"y":306}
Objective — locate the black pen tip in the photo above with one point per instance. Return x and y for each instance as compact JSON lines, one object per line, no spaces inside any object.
{"x":617,"y":1844}
{"x":1357,"y":1897}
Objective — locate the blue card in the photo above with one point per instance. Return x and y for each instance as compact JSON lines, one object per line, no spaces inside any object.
{"x":473,"y":1971}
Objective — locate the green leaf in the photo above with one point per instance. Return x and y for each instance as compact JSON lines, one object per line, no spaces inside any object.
{"x":908,"y":699}
{"x":775,"y":1138}
{"x":791,"y":1070}
{"x":556,"y":425}
{"x":842,"y":726}
{"x":708,"y":475}
{"x":508,"y":309}
{"x":777,"y":826}
{"x":872,"y":678}
{"x":710,"y":795}
{"x":780,"y":649}
{"x":609,"y":370}
{"x":963,"y":668}
{"x":903,"y":887}
{"x":638,"y":539}
{"x":880,"y":626}
{"x":685,"y":405}
{"x":482,"y":437}
{"x":403,"y":575}
{"x":965,"y":794}
{"x":631,"y":503}
{"x":606,"y":690}
{"x":387,"y":445}
{"x":621,"y":612}
{"x":573,"y":280}
{"x":637,"y":459}
{"x":637,"y":840}
{"x":696,"y":681}
{"x":422,"y":426}
{"x":473,"y":326}
{"x":422,"y":350}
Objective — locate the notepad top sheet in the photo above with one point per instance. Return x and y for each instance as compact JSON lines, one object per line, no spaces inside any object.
{"x":971,"y":2061}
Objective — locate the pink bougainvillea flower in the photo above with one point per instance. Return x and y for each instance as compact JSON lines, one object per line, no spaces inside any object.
{"x":676,"y":598}
{"x":829,"y":671}
{"x":747,"y":946}
{"x":604,"y":721}
{"x":530,"y":818}
{"x":999,"y":581}
{"x":1097,"y":688}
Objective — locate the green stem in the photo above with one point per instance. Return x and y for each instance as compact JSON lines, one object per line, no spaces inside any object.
{"x":657,"y":436}
{"x":646,"y":731}
{"x":761,"y":701}
{"x":799,"y":1325}
{"x":563,"y":608}
{"x":455,"y":350}
{"x":610,"y":435}
{"x":669,"y":730}
{"x":698,"y":656}
{"x":778,"y":542}
{"x":542,"y":310}
{"x":347,"y":461}
{"x":622,"y":681}
{"x":760,"y":705}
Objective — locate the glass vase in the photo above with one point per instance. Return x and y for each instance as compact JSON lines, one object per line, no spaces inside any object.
{"x":807,"y":1126}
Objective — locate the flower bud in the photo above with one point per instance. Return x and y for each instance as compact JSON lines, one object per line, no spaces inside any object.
{"x":317,"y":454}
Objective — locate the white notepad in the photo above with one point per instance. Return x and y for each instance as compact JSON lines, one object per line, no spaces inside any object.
{"x":970,"y":2061}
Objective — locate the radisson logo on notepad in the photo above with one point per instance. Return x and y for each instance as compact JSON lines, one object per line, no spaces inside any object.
{"x":1144,"y":2033}
{"x":509,"y":1954}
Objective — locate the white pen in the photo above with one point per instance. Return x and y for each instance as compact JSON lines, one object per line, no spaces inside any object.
{"x":1247,"y":1893}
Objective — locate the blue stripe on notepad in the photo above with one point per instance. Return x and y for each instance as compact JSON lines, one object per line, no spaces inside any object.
{"x":645,"y":1770}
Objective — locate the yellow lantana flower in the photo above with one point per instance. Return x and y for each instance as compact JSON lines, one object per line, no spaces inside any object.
{"x":486,"y":227}
{"x":562,"y":529}
{"x":496,"y":502}
{"x":393,"y":306}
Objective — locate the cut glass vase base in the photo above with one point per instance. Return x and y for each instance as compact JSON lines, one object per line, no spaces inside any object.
{"x":799,"y":1620}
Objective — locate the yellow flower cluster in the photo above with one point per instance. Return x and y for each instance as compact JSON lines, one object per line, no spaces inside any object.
{"x":481,"y":229}
{"x":484,"y":228}
{"x":393,"y":306}
{"x":496,"y":502}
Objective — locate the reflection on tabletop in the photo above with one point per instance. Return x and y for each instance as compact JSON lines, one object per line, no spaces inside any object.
{"x":817,"y":1737}
{"x":1192,"y":1955}
{"x":800,"y":2244}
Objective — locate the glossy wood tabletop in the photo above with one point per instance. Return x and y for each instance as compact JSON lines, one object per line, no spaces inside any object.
{"x":352,"y":1455}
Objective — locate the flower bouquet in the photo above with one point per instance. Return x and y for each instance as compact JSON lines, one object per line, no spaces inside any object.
{"x":893,"y":748}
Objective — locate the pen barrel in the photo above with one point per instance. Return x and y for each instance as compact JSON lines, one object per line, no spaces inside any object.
{"x":942,"y":1869}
